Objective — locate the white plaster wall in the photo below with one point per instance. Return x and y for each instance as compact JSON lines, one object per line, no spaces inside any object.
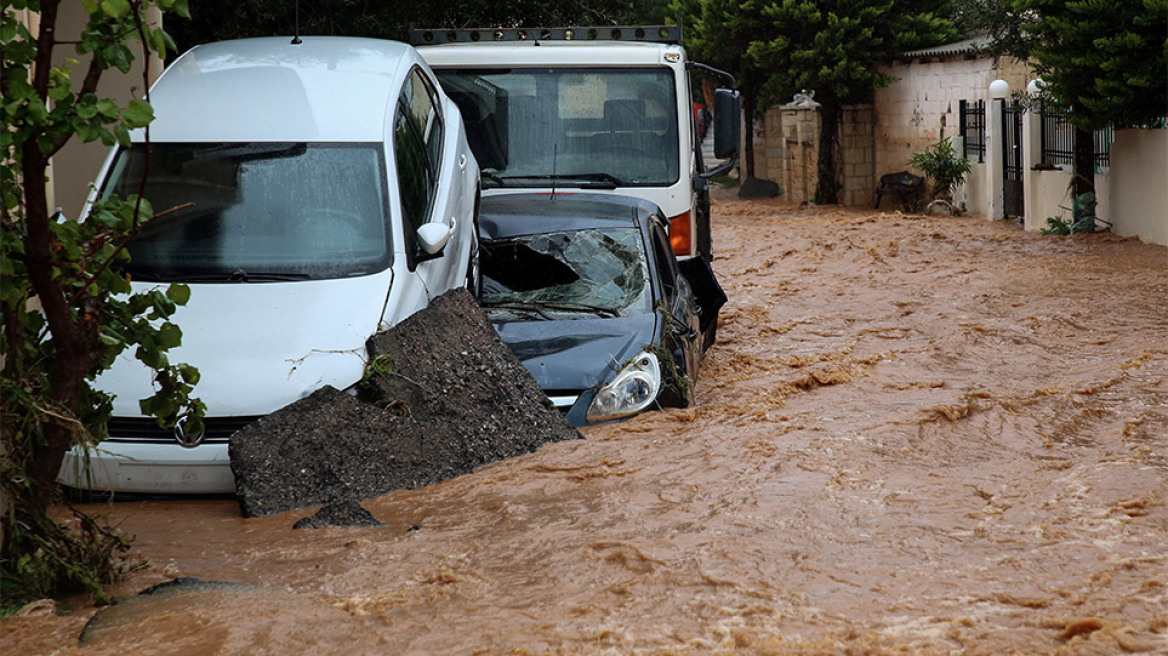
{"x":1052,"y":197}
{"x":1104,"y":207}
{"x":971,"y":196}
{"x":1048,"y":194}
{"x":1138,"y":198}
{"x":923,"y":104}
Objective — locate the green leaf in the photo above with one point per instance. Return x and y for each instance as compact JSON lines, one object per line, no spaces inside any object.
{"x":123,"y":136}
{"x":190,"y":375}
{"x":169,"y":336}
{"x":118,"y":56}
{"x":85,"y":109}
{"x":179,"y":293}
{"x":150,"y":355}
{"x":107,"y":108}
{"x":115,"y":8}
{"x":110,"y":339}
{"x":37,"y":112}
{"x":138,"y":114}
{"x":87,"y":133}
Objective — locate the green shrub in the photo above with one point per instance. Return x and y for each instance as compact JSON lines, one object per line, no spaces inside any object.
{"x":943,"y":167}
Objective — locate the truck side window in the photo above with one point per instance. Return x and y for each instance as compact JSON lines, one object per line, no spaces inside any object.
{"x":417,"y":143}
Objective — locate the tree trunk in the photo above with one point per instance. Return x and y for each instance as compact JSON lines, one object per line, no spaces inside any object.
{"x":1083,"y":180}
{"x":72,"y":352}
{"x":748,"y":108}
{"x":827,"y":187}
{"x":75,"y":339}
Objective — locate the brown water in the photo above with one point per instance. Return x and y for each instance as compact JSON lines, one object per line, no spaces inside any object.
{"x":916,"y":435}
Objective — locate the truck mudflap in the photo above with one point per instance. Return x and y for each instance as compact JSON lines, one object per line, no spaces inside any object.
{"x":707,"y":292}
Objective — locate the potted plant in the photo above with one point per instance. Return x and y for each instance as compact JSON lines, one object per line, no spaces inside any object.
{"x":944,"y":168}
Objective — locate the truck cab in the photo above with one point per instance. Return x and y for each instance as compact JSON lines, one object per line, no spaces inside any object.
{"x":609,"y":110}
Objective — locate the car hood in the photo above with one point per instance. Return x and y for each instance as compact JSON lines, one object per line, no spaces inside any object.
{"x":577,"y":354}
{"x":261,"y":346}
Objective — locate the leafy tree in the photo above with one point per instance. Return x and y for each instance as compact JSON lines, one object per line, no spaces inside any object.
{"x":66,"y":310}
{"x":1106,"y":62}
{"x":832,"y":47}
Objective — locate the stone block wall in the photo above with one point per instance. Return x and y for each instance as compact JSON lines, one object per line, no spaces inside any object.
{"x":857,"y":156}
{"x":792,"y":153}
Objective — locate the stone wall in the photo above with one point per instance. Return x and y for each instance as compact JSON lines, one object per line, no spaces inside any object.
{"x":790,"y":155}
{"x":857,"y":156}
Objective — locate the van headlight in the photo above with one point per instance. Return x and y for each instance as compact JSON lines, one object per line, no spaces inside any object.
{"x":632,"y":390}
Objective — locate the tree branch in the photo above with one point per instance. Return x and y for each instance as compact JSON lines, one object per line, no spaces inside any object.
{"x":113,"y":256}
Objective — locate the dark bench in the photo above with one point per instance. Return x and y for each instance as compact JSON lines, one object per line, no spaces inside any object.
{"x":904,"y":185}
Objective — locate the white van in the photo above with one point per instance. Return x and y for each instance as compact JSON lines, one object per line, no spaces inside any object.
{"x":332,"y":194}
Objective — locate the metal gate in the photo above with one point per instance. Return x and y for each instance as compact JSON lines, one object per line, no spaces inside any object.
{"x":1012,"y":159}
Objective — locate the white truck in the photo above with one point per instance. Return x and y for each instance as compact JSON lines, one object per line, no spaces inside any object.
{"x":609,"y":110}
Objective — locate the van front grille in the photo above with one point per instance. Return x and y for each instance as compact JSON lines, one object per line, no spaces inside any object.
{"x":145,"y":430}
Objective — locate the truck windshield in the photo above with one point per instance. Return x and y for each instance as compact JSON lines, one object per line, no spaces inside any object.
{"x":257,"y":211}
{"x":617,"y":127}
{"x":567,"y":275}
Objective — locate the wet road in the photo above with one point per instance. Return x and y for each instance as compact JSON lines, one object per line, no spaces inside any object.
{"x":916,"y":435}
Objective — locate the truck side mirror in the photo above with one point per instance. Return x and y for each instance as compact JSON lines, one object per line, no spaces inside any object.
{"x":727,"y":118}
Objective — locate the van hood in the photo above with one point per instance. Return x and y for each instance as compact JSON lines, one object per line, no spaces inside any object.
{"x":261,"y":346}
{"x":577,"y":354}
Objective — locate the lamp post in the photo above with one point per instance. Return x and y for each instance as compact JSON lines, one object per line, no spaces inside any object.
{"x":999,"y":89}
{"x":1032,"y":157}
{"x":995,"y":155}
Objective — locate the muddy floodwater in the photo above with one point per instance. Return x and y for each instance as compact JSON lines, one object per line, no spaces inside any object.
{"x":916,"y":435}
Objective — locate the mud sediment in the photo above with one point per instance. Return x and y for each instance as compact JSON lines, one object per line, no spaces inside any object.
{"x":446,"y":397}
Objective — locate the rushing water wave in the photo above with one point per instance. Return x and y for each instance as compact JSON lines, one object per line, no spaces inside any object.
{"x":915,"y":435}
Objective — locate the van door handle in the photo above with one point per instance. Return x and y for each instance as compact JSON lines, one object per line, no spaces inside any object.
{"x":453,"y":224}
{"x":462,"y":161}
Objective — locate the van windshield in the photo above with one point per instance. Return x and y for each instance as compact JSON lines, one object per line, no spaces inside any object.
{"x":257,"y":212}
{"x":608,"y":127}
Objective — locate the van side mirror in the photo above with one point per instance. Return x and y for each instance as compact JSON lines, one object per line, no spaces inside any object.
{"x":432,"y":237}
{"x":727,"y":119}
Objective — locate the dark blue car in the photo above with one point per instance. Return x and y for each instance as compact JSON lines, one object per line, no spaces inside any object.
{"x":587,"y":292}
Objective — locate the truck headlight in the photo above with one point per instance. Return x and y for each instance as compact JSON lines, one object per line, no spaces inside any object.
{"x":632,"y":390}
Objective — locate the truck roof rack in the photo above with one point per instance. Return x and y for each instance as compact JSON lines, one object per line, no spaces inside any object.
{"x":669,"y":34}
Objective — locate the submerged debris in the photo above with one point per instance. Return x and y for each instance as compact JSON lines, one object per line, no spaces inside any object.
{"x":344,"y":513}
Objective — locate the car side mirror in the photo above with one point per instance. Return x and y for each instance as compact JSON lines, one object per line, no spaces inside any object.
{"x":432,"y":237}
{"x":727,"y":115}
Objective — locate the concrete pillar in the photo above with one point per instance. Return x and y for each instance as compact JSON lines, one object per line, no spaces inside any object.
{"x":995,"y":143}
{"x":1031,"y":156}
{"x":961,"y":191}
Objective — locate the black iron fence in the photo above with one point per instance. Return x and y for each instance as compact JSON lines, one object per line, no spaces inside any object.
{"x":973,"y":125}
{"x":1012,"y":162}
{"x":1058,"y":140}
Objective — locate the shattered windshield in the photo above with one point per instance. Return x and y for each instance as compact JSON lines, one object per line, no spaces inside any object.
{"x":594,"y":127}
{"x":574,"y":274}
{"x":255,"y":212}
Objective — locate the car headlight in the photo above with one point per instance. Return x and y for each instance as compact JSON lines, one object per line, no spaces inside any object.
{"x":629,"y":392}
